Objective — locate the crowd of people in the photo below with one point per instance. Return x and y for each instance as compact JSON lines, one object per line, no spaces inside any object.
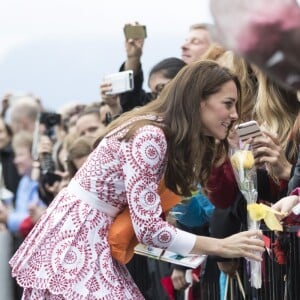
{"x":68,"y":174}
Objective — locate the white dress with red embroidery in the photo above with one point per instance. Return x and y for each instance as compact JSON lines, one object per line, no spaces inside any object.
{"x":67,"y":255}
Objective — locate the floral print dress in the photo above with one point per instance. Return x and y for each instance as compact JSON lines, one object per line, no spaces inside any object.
{"x":67,"y":255}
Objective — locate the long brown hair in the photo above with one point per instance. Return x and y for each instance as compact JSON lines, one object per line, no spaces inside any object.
{"x":190,"y":153}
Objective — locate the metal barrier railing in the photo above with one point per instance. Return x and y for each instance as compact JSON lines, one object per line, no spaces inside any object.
{"x":279,"y":281}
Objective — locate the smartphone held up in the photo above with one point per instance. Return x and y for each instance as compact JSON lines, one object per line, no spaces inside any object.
{"x":248,"y":130}
{"x":135,"y":32}
{"x":121,"y":82}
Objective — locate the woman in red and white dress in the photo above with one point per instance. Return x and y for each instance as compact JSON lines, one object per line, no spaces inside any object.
{"x":67,"y":255}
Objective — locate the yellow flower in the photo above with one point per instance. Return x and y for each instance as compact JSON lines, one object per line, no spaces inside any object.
{"x":256,"y":211}
{"x":272,"y":222}
{"x":260,"y":211}
{"x":242,"y":158}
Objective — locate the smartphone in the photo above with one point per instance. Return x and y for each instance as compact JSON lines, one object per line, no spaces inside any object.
{"x":248,"y":130}
{"x":135,"y":32}
{"x":120,"y":82}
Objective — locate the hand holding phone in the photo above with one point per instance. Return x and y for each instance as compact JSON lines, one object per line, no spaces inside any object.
{"x":248,"y":130}
{"x":120,"y":82}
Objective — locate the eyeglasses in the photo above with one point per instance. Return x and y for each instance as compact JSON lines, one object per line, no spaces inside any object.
{"x":158,"y":89}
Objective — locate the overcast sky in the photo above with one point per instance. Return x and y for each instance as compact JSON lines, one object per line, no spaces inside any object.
{"x":29,"y":27}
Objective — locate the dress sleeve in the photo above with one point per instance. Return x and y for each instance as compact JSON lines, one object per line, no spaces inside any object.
{"x":143,"y":159}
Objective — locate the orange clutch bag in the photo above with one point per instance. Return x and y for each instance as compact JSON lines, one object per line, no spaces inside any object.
{"x":121,"y":236}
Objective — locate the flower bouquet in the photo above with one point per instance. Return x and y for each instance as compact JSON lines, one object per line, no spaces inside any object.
{"x":242,"y":161}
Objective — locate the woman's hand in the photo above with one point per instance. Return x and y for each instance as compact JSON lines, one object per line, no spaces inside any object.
{"x":105,"y":87}
{"x":268,"y":151}
{"x":134,"y":48}
{"x":248,"y":244}
{"x":134,"y":51}
{"x":178,"y":279}
{"x":285,"y":205}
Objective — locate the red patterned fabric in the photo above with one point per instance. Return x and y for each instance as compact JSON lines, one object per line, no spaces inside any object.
{"x":67,"y":255}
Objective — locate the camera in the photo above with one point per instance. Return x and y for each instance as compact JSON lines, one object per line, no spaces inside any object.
{"x":120,"y":82}
{"x":49,"y":120}
{"x":47,"y":164}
